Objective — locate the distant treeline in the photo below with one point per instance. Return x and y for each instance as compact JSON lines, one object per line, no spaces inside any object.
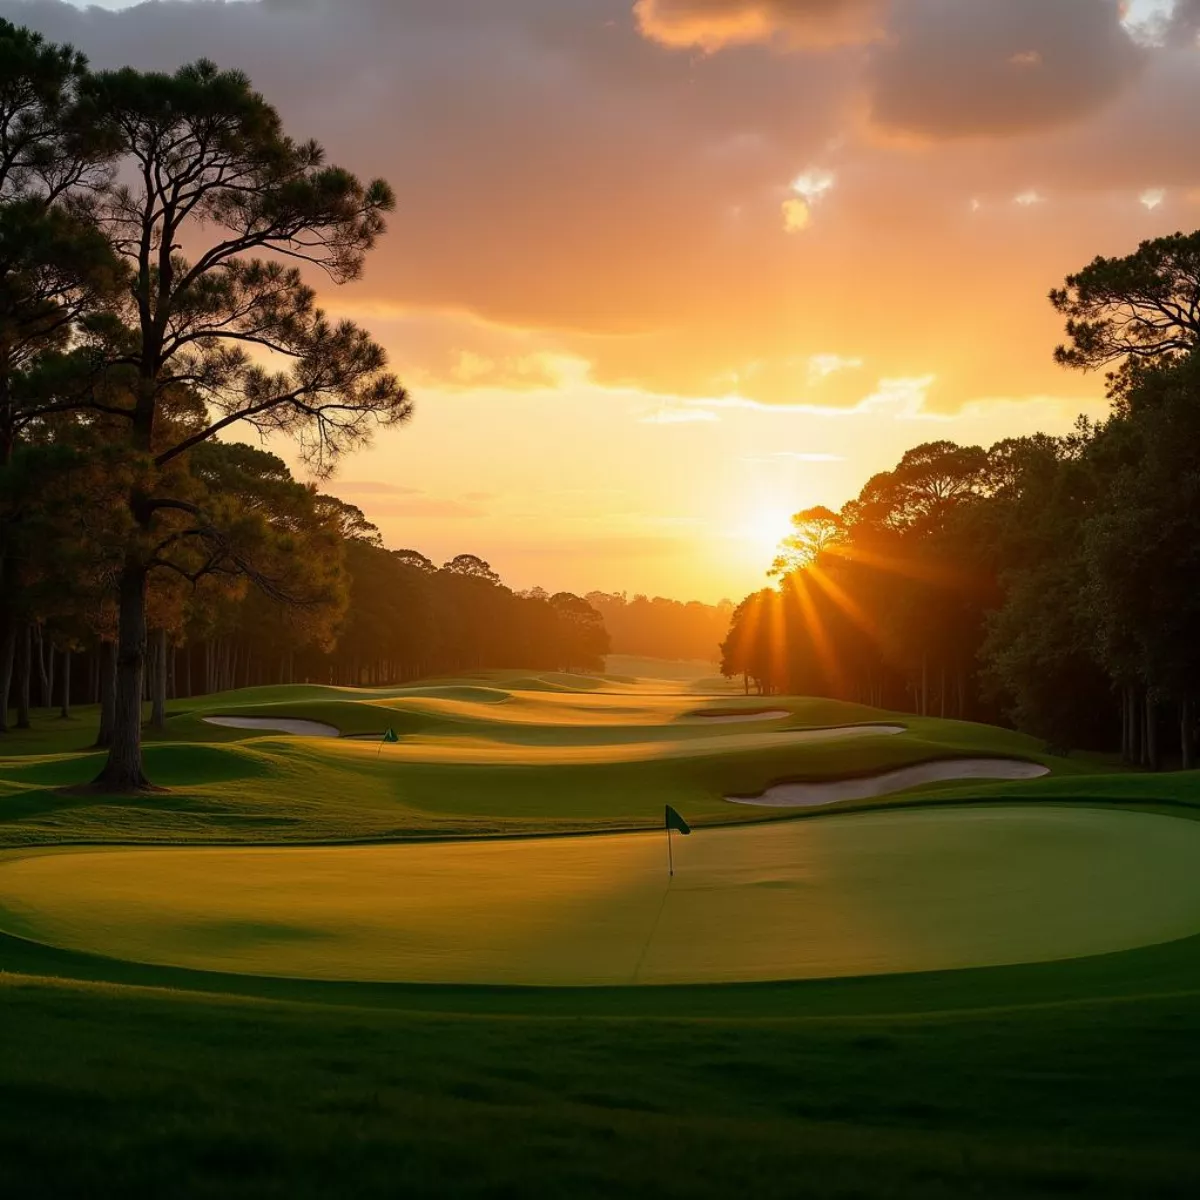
{"x":331,"y":605}
{"x":662,"y":628}
{"x":1053,"y":582}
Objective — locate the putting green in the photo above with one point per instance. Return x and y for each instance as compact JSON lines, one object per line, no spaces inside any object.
{"x":863,"y":894}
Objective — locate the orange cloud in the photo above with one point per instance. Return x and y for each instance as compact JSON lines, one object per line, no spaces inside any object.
{"x":713,"y":24}
{"x":578,"y":204}
{"x":796,"y":215}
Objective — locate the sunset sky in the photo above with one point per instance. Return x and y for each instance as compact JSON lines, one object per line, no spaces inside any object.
{"x":663,"y":272}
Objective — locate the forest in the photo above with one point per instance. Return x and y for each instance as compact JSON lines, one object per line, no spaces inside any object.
{"x":1047,"y":582}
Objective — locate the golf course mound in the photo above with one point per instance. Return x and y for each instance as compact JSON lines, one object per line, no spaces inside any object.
{"x":292,"y":725}
{"x":834,"y":791}
{"x":723,"y":717}
{"x":463,"y":694}
{"x":862,"y":894}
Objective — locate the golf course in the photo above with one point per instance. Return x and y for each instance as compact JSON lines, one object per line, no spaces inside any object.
{"x":425,"y":945}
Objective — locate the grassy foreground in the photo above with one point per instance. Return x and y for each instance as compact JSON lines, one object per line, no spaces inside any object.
{"x":1071,"y":1077}
{"x":124,"y":1090}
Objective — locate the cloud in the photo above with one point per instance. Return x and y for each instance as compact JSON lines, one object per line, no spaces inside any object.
{"x":971,"y":68}
{"x":796,"y":215}
{"x":813,"y":183}
{"x":567,"y":185}
{"x":713,"y":24}
{"x":822,"y":366}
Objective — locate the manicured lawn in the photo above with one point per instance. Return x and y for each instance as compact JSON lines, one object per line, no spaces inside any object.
{"x":118,"y":1077}
{"x":476,"y":757}
{"x":853,"y":895}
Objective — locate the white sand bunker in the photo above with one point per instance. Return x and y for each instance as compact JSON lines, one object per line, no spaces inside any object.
{"x":776,"y":714}
{"x":813,"y":795}
{"x":277,"y":725}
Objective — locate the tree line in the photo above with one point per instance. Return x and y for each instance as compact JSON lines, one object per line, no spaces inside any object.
{"x":1052,"y":582}
{"x":370,"y":616}
{"x":657,"y":627}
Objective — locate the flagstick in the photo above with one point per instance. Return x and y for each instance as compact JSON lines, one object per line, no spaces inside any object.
{"x":670,"y":853}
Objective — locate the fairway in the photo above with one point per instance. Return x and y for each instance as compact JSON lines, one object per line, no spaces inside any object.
{"x":854,"y":895}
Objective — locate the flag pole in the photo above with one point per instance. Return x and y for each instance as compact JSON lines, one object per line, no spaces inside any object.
{"x":670,"y":852}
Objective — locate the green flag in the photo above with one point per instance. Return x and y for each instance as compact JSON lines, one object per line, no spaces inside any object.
{"x":676,"y":822}
{"x":391,"y":736}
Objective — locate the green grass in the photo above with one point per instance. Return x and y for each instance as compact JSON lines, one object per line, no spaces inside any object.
{"x":883,"y":893}
{"x":478,"y":756}
{"x":951,"y":1085}
{"x":1069,"y":1077}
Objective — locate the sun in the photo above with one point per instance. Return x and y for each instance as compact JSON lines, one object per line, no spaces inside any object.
{"x":768,"y":525}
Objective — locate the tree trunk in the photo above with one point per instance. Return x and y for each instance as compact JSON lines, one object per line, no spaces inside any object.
{"x":24,"y":671}
{"x":8,"y":646}
{"x":106,"y":687}
{"x":65,"y":709}
{"x":1185,"y":732}
{"x":187,"y":671}
{"x":123,"y":770}
{"x":39,"y":646}
{"x":158,"y":679}
{"x":1151,"y":735}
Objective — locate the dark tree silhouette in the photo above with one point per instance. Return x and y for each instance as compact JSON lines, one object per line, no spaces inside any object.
{"x":207,"y":165}
{"x":814,"y":531}
{"x":55,"y":267}
{"x":1145,"y":305}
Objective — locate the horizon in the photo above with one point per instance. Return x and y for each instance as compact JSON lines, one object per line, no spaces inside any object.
{"x":592,"y":412}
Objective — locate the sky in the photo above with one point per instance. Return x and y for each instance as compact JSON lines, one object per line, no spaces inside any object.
{"x":663,"y":272}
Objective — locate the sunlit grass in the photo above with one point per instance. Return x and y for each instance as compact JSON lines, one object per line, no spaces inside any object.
{"x":866,"y":894}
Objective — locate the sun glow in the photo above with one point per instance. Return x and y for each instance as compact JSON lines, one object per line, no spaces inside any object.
{"x":767,"y":526}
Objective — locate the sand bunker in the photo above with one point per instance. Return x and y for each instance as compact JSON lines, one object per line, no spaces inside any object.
{"x":277,"y":725}
{"x":813,"y":795}
{"x":776,"y":714}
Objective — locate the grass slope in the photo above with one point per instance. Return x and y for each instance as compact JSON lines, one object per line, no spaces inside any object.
{"x":477,"y":756}
{"x":1067,"y":1077}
